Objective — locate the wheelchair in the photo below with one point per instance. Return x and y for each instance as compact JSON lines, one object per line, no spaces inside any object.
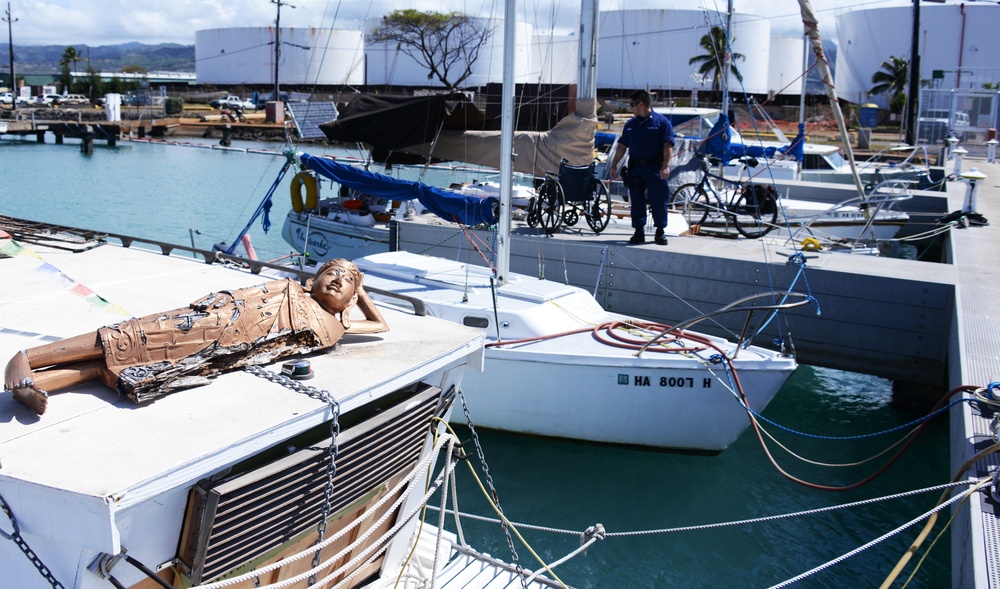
{"x":563,"y":198}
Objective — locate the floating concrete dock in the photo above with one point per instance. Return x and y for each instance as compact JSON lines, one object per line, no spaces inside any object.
{"x":929,"y":326}
{"x":882,"y":316}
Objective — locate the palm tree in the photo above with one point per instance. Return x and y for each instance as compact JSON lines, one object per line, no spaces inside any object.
{"x":716,"y":46}
{"x":892,"y":79}
{"x":69,"y":59}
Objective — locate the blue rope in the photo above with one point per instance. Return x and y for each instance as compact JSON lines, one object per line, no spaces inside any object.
{"x":858,"y":437}
{"x":264,"y":208}
{"x":799,"y":260}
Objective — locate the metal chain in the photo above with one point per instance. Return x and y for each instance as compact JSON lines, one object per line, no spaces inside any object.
{"x":15,"y":536}
{"x":493,"y":491}
{"x":331,"y":470}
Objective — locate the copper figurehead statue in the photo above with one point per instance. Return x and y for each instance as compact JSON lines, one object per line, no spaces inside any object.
{"x":147,"y":357}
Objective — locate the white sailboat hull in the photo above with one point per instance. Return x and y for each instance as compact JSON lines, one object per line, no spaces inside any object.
{"x":325,"y":239}
{"x":673,"y":404}
{"x":802,"y":218}
{"x":556,"y":378}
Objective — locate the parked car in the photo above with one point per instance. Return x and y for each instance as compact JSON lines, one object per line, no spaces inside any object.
{"x":75,"y":100}
{"x":137,"y":100}
{"x":233,"y":101}
{"x":6,"y":98}
{"x":48,"y":99}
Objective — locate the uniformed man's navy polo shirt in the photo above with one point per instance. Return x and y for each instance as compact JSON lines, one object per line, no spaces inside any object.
{"x":645,"y":136}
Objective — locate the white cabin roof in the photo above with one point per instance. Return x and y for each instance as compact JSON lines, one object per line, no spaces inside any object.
{"x":94,"y":454}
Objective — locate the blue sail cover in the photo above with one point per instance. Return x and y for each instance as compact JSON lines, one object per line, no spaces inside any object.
{"x":719,"y":139}
{"x":719,"y":144}
{"x":451,"y":206}
{"x":798,"y":145}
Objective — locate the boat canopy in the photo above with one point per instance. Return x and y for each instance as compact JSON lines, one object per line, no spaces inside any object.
{"x":450,"y":128}
{"x":451,"y":206}
{"x":391,"y":123}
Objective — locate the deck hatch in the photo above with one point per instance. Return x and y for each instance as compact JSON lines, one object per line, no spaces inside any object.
{"x":246,"y":515}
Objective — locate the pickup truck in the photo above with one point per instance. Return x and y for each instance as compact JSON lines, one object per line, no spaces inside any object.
{"x":233,"y":101}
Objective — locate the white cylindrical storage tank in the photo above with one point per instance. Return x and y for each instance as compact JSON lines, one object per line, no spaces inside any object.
{"x":652,"y":48}
{"x":953,"y":38}
{"x":554,"y":59}
{"x":388,"y":65}
{"x":786,"y":70}
{"x":308,"y":56}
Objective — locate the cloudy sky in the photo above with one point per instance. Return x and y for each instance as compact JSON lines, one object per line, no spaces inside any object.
{"x":108,"y":22}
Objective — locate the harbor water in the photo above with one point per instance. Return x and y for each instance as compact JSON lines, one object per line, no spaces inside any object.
{"x":640,"y":497}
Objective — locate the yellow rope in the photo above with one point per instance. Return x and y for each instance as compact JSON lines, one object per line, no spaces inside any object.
{"x":501,"y":515}
{"x":828,"y":464}
{"x":933,"y":518}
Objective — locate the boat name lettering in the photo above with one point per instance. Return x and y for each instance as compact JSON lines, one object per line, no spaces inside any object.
{"x":663,"y":381}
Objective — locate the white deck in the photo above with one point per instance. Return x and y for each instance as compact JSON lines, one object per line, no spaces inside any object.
{"x":94,"y":462}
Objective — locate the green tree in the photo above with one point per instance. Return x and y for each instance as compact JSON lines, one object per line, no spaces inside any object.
{"x":892,"y":80}
{"x":69,"y":59}
{"x":95,"y":85}
{"x":446,"y":44}
{"x":716,"y":46}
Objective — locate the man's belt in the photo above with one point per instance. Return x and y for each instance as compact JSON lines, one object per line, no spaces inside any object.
{"x":653,"y":161}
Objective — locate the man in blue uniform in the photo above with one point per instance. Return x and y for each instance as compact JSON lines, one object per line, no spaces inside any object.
{"x":649,"y":138}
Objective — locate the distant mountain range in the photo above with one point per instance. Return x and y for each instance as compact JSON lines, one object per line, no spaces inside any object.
{"x":44,"y":59}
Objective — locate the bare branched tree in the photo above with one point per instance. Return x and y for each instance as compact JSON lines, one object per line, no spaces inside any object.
{"x":446,"y":44}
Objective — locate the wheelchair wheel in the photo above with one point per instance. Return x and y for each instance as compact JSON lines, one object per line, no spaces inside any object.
{"x":532,"y":218}
{"x":755,"y":213}
{"x":692,"y":201}
{"x":598,"y":210}
{"x":550,"y":205}
{"x":570,"y":216}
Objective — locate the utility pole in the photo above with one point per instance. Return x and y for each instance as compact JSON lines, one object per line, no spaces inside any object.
{"x":10,"y":45}
{"x":913,"y":100}
{"x":277,"y":45}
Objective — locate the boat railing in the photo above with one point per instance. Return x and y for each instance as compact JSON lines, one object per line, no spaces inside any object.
{"x":75,"y":239}
{"x":884,"y":196}
{"x":748,"y":305}
{"x":257,"y":266}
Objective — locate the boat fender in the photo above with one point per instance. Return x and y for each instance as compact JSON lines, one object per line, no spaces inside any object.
{"x":312,"y":192}
{"x":811,"y":244}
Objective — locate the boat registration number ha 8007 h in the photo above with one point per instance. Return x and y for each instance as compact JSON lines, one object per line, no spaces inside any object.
{"x":676,"y":382}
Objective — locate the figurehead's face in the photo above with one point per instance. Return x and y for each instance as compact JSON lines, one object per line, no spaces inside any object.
{"x":335,"y":286}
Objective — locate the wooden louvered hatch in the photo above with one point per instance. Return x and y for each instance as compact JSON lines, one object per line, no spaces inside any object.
{"x":269,"y":507}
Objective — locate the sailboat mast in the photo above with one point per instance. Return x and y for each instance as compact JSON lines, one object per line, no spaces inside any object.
{"x":726,"y":60}
{"x":587,"y":88}
{"x":506,"y":142}
{"x":805,"y":79}
{"x":811,"y":24}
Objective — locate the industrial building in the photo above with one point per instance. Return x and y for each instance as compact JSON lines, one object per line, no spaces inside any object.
{"x":957,"y":47}
{"x":648,"y":48}
{"x":629,"y":41}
